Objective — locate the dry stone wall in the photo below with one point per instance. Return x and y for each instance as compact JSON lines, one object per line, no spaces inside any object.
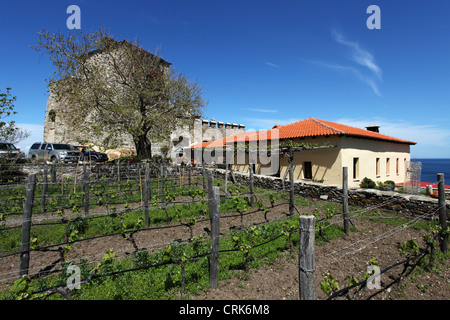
{"x":391,"y":200}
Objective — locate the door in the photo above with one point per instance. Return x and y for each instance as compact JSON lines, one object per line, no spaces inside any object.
{"x":41,"y":152}
{"x":47,"y":152}
{"x":307,"y":170}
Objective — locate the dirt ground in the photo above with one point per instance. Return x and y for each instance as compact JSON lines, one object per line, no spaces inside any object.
{"x":341,"y":257}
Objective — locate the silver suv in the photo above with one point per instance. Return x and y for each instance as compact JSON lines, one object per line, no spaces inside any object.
{"x":9,"y":152}
{"x":54,"y":152}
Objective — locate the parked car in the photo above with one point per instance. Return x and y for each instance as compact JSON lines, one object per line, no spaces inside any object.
{"x":54,"y":152}
{"x":9,"y":152}
{"x":89,"y":154}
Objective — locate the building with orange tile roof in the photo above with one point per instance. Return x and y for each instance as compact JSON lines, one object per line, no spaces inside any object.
{"x":365,"y":152}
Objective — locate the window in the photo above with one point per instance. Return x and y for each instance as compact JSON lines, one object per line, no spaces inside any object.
{"x":43,"y":146}
{"x":396,"y":166}
{"x":52,"y":115}
{"x":355,"y":168}
{"x":35,"y":146}
{"x":388,"y":166}
{"x":7,"y":147}
{"x":307,"y":173}
{"x":377,"y":167}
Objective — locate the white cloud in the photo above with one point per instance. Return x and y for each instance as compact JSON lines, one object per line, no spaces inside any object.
{"x":358,"y":54}
{"x":361,"y":58}
{"x":37,"y":135}
{"x":432,"y":141}
{"x":270,"y":64}
{"x":262,"y":110}
{"x":353,"y":72}
{"x":255,"y":124}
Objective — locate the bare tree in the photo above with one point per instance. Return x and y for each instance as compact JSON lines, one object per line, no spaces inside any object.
{"x":111,"y":88}
{"x":9,"y":132}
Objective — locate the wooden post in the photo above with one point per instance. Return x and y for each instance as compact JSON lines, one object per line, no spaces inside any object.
{"x":53,"y":173}
{"x":291,"y":182}
{"x":26,"y":226}
{"x":443,"y":240}
{"x":307,"y":289}
{"x":44,"y":188}
{"x":140,"y":180}
{"x":345,"y":200}
{"x":86,"y":189}
{"x":225,"y":190}
{"x":252,"y":190}
{"x":62,"y":180}
{"x":204,"y":177}
{"x":147,"y":194}
{"x":162,"y":185}
{"x":189,"y":175}
{"x":214,"y":216}
{"x":118,"y":173}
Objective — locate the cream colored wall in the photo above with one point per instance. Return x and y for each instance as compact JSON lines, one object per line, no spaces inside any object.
{"x":327,"y":163}
{"x":367,"y":151}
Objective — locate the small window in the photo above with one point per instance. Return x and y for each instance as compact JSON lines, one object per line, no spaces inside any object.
{"x":52,"y":115}
{"x":355,"y":168}
{"x":49,"y":147}
{"x":307,"y":170}
{"x":396,"y":166}
{"x":35,"y":146}
{"x":377,"y":167}
{"x":388,"y":166}
{"x":43,"y":146}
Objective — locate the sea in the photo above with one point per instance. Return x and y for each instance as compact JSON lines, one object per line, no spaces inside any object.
{"x":431,"y":167}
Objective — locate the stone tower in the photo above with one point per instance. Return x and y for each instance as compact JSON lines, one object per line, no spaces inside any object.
{"x":56,"y":127}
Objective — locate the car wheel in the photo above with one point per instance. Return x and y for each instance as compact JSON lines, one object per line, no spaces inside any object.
{"x":33,"y":159}
{"x":53,"y":159}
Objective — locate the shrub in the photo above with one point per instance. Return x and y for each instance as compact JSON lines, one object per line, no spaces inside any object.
{"x":367,"y":183}
{"x":388,"y":185}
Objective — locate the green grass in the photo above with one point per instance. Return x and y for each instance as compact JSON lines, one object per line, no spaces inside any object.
{"x":164,"y":282}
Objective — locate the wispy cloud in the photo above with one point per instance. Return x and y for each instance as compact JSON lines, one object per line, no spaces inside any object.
{"x":358,"y":54}
{"x":262,"y":110}
{"x":270,"y":64}
{"x":370,"y":73}
{"x":354,"y":72}
{"x":431,"y":140}
{"x":255,"y":124}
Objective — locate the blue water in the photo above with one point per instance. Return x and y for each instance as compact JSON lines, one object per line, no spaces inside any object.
{"x":431,"y":167}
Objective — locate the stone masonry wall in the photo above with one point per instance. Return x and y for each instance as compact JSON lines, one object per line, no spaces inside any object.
{"x":402,"y":203}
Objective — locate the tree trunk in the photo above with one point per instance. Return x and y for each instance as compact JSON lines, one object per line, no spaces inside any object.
{"x":143,"y":146}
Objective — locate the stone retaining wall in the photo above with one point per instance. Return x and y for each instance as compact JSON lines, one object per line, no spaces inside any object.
{"x":391,"y":200}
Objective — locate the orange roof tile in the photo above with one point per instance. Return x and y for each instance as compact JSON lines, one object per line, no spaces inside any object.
{"x":200,"y":145}
{"x":310,"y":127}
{"x":313,"y":127}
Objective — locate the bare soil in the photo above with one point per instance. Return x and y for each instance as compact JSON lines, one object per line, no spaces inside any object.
{"x":341,"y":257}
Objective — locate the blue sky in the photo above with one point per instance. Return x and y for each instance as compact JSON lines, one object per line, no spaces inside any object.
{"x":266,"y":62}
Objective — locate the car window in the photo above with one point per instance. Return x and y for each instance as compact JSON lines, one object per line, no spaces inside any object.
{"x":61,"y":147}
{"x":35,"y":146}
{"x":49,"y":147}
{"x":43,"y":146}
{"x":7,"y":147}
